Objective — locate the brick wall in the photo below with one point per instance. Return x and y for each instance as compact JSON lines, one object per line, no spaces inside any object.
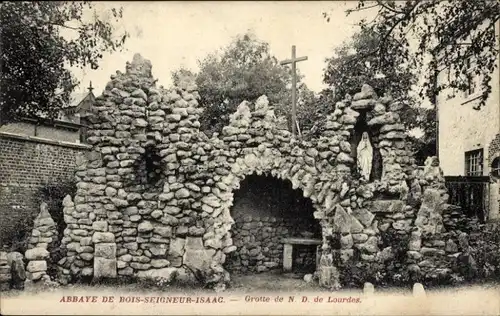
{"x":26,"y":165}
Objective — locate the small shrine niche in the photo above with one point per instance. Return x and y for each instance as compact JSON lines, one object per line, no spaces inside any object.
{"x":148,"y":168}
{"x":365,"y":151}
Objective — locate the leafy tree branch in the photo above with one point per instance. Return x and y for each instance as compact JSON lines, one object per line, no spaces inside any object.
{"x":35,"y":53}
{"x":439,"y":29}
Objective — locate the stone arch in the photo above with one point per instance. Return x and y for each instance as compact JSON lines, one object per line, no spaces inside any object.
{"x":265,"y":210}
{"x":323,"y":194}
{"x":270,"y":162}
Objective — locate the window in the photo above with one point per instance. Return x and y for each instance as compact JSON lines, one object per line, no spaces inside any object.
{"x":495,"y":167}
{"x":471,"y":84}
{"x":472,"y":78}
{"x":474,"y":163}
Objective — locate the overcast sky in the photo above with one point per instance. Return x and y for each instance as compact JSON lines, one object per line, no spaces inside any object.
{"x":177,"y":34}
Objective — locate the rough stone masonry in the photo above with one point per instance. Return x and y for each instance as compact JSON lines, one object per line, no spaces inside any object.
{"x":154,"y":194}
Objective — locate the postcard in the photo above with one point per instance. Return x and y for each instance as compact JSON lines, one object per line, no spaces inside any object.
{"x":250,"y":158}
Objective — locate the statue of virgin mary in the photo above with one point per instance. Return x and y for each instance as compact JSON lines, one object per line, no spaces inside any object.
{"x":365,"y":156}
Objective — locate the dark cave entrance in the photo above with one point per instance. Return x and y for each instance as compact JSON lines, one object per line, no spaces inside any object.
{"x":265,"y":211}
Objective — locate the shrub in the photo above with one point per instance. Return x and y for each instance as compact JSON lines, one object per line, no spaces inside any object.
{"x":18,"y":239}
{"x":485,"y":245}
{"x":393,"y":272}
{"x":481,"y":263}
{"x":53,"y":194}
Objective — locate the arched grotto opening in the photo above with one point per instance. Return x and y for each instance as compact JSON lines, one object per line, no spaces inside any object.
{"x":266,"y":210}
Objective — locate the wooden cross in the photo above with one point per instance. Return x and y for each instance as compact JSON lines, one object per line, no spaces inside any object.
{"x":90,"y":88}
{"x":294,"y":62}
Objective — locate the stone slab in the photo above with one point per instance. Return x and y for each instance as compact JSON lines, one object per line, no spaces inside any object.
{"x":105,"y":268}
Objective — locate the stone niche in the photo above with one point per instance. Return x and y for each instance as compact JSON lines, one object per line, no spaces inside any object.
{"x":265,"y":211}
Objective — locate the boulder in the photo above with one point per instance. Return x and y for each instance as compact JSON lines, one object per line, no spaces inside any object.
{"x":167,"y":274}
{"x":451,"y":246}
{"x":195,"y":256}
{"x":429,"y":218}
{"x":145,"y":227}
{"x":342,"y":221}
{"x":163,"y":231}
{"x":177,"y":247}
{"x":371,"y":245}
{"x":100,"y":237}
{"x":37,"y":254}
{"x":105,"y":268}
{"x":159,"y":263}
{"x":368,"y":288}
{"x":364,"y":216}
{"x":365,"y":104}
{"x":37,"y":266}
{"x":367,"y":92}
{"x":308,"y":278}
{"x":17,"y":270}
{"x":101,"y":226}
{"x":105,"y":250}
{"x":182,"y":193}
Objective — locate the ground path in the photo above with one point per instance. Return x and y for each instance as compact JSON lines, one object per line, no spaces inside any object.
{"x":137,"y":300}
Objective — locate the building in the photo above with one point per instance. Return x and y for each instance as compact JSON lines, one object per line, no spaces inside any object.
{"x":469,"y":139}
{"x":69,"y":126}
{"x":36,"y":156}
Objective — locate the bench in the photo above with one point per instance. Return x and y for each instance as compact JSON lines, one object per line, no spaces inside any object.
{"x":288,"y":244}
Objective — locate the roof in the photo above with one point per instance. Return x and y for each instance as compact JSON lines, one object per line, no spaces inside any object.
{"x":77,"y":98}
{"x":76,"y":101}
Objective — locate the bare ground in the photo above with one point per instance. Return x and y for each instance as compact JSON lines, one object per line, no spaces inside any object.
{"x":242,"y":299}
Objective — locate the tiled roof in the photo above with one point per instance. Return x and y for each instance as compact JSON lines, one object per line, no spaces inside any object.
{"x":76,"y":99}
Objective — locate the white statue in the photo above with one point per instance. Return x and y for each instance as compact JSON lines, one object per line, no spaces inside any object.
{"x":365,"y":156}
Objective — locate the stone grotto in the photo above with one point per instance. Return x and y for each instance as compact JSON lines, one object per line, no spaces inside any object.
{"x":156,"y":197}
{"x":265,"y":211}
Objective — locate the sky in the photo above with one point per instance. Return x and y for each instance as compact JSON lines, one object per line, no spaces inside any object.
{"x":178,"y":34}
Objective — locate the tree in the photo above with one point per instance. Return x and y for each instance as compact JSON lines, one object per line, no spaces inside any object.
{"x":35,"y":80}
{"x":352,"y":66}
{"x":243,"y":70}
{"x":446,"y":35}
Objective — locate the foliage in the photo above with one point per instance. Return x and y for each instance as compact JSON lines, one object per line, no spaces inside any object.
{"x":157,"y":283}
{"x":35,"y":53}
{"x":480,"y":262}
{"x":53,"y":194}
{"x":423,"y":147}
{"x":446,"y":35}
{"x":382,"y":273}
{"x":18,"y":239}
{"x":244,"y":70}
{"x":353,"y":65}
{"x":486,"y":251}
{"x":397,"y":242}
{"x":354,"y":273}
